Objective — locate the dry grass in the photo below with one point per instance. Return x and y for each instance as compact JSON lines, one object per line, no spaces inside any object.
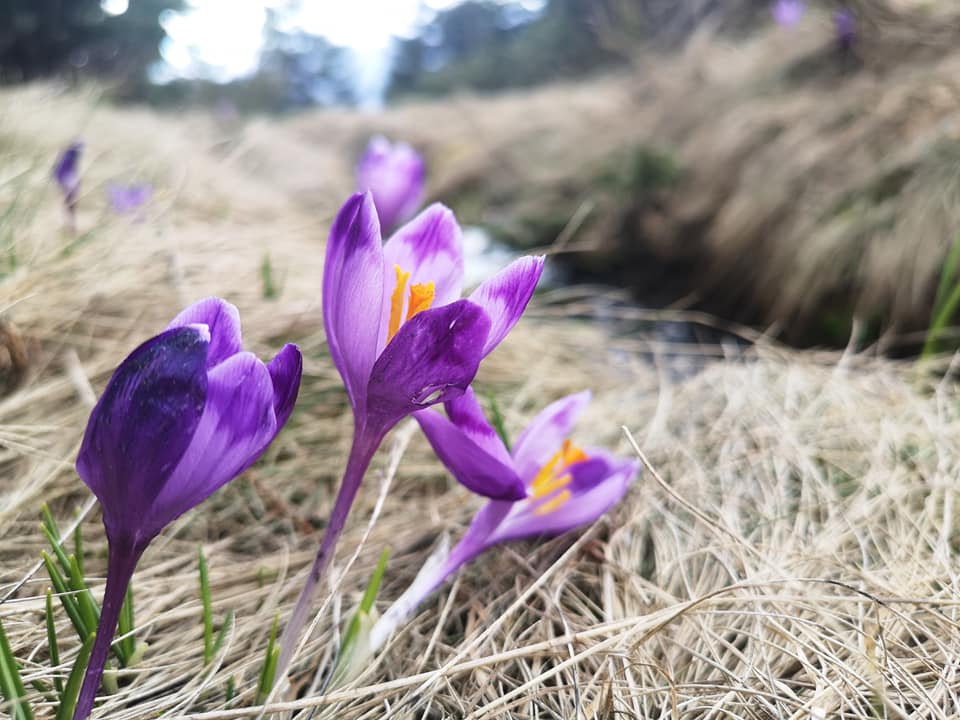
{"x":791,"y":557}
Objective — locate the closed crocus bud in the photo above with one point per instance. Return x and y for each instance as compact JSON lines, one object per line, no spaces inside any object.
{"x":67,"y":174}
{"x":395,"y":173}
{"x":183,"y":414}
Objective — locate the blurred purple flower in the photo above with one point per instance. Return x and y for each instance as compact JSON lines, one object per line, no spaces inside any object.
{"x":186,"y":412}
{"x":788,"y":12}
{"x":401,"y":338}
{"x":395,"y":174}
{"x":563,"y":486}
{"x":126,"y":199}
{"x":66,"y":172}
{"x":845,"y":26}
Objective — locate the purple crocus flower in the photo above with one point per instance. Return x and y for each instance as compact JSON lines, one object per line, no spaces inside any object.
{"x":126,"y":199}
{"x":395,"y":174}
{"x":788,"y":13}
{"x":845,"y":27}
{"x":564,"y":487}
{"x":183,"y":414}
{"x":402,"y":339}
{"x":66,"y":172}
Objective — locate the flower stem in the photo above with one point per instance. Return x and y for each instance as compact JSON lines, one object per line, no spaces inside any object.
{"x":122,"y":560}
{"x":364,"y":446}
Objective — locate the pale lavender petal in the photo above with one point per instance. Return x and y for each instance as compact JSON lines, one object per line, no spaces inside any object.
{"x":433,"y":358}
{"x":395,"y":174}
{"x":352,"y":295}
{"x":546,"y":432}
{"x":788,"y":12}
{"x":285,"y":371}
{"x":465,"y":412}
{"x":142,"y":425}
{"x":237,"y":425}
{"x":505,"y":296}
{"x":470,"y":464}
{"x":430,"y":248}
{"x":222,"y":318}
{"x":596,"y":486}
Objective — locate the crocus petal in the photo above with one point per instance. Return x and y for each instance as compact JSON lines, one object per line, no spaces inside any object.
{"x":142,"y":425}
{"x":465,"y":412}
{"x":430,"y":248}
{"x":471,"y":464}
{"x":237,"y":425}
{"x":433,"y":358}
{"x":285,"y":371}
{"x":546,"y":432}
{"x":505,"y":296}
{"x":596,"y":486}
{"x":395,"y":174}
{"x":353,"y":293}
{"x":222,"y":318}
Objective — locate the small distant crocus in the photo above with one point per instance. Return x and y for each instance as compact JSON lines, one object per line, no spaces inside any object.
{"x":66,"y":172}
{"x":564,"y":487}
{"x":402,"y":339}
{"x":125,"y":199}
{"x":395,"y":173}
{"x":184,"y":413}
{"x":845,"y":27}
{"x":788,"y":13}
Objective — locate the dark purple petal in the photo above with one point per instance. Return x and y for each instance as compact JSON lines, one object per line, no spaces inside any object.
{"x":430,"y":248}
{"x":432,"y":359}
{"x":546,"y":432}
{"x":353,"y":294}
{"x":66,"y":171}
{"x":285,"y":371}
{"x":223,"y":319}
{"x":142,"y":425}
{"x":596,"y":486}
{"x":465,"y":412}
{"x":504,"y":297}
{"x":395,"y":175}
{"x":237,"y":425}
{"x":469,"y":463}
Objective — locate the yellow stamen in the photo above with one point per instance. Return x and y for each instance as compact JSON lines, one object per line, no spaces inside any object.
{"x":396,"y":302}
{"x":421,"y":298}
{"x":551,"y":476}
{"x":553,"y":503}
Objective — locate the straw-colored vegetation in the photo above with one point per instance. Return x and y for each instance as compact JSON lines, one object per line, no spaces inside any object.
{"x":790,"y":554}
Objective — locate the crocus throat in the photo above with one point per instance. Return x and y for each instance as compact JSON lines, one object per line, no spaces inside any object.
{"x":421,"y":298}
{"x":553,"y":477}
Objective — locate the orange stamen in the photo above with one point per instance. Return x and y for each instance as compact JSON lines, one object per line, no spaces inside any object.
{"x":551,"y":476}
{"x":396,"y":302}
{"x":553,"y":503}
{"x":421,"y":298}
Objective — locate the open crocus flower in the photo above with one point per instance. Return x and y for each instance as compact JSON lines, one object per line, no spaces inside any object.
{"x":564,"y":486}
{"x":395,"y":174}
{"x":183,"y":414}
{"x":402,"y":339}
{"x":66,"y":172}
{"x":788,"y":13}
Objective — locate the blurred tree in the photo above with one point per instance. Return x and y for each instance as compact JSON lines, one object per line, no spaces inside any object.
{"x":40,"y":38}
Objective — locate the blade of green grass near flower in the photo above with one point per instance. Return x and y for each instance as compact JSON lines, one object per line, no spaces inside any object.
{"x":945,"y":302}
{"x":269,"y":671}
{"x":68,"y":700}
{"x":85,"y":602}
{"x":127,"y":642}
{"x":359,"y":617}
{"x":78,"y":548}
{"x":66,"y":598}
{"x":498,"y":423}
{"x":266,"y":278}
{"x":11,"y":684}
{"x":207,"y":602}
{"x":53,"y":644}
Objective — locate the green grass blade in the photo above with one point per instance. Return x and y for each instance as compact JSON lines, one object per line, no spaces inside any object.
{"x":948,"y":274}
{"x":78,"y":547}
{"x":55,"y":545}
{"x":498,"y":423}
{"x":269,"y":287}
{"x":68,"y":701}
{"x":66,"y":598}
{"x":128,"y":642}
{"x":941,"y":321}
{"x":222,"y":634}
{"x":87,"y":606}
{"x":269,"y":670}
{"x":53,"y":644}
{"x":207,"y":601}
{"x":11,"y":684}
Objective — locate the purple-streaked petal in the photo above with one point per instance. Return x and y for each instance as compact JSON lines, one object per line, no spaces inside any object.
{"x":395,"y":174}
{"x":504,"y":297}
{"x":433,"y":358}
{"x":430,"y":248}
{"x":285,"y":371}
{"x":142,"y":425}
{"x":546,"y":432}
{"x":470,"y":464}
{"x":353,"y":294}
{"x":596,"y":486}
{"x":237,"y":425}
{"x":222,"y":318}
{"x":465,"y":412}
